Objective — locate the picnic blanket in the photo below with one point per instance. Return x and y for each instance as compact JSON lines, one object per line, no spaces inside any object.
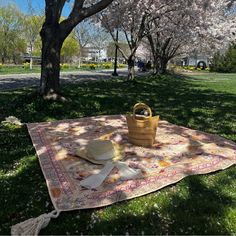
{"x":178,"y":152}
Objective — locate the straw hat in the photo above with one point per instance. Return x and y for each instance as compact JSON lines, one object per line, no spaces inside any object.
{"x":100,"y":151}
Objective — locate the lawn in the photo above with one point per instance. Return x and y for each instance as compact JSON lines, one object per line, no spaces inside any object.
{"x":216,"y":81}
{"x":20,"y":69}
{"x":17,"y":69}
{"x":203,"y":204}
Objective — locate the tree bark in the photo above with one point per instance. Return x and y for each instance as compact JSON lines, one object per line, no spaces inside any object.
{"x":50,"y":64}
{"x":80,"y":55}
{"x":31,"y":56}
{"x":131,"y":72}
{"x":14,"y":58}
{"x":156,"y":64}
{"x":154,"y":46}
{"x":163,"y":66}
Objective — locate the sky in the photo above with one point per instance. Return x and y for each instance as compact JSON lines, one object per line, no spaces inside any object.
{"x":38,"y":5}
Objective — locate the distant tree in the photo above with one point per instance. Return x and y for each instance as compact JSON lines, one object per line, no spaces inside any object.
{"x":54,"y":33}
{"x":70,"y":48}
{"x":112,"y":46}
{"x":91,"y":35}
{"x":17,"y":50}
{"x":83,"y":34}
{"x":31,"y":29}
{"x":100,"y":40}
{"x":32,"y":24}
{"x":10,"y":32}
{"x":225,"y":62}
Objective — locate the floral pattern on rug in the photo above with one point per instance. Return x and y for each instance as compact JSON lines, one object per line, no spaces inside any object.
{"x":178,"y":152}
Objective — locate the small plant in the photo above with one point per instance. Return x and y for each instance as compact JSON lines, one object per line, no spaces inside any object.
{"x":107,"y":65}
{"x":191,"y":68}
{"x":26,"y":65}
{"x":92,"y":66}
{"x":64,"y":66}
{"x":121,"y":65}
{"x":1,"y":66}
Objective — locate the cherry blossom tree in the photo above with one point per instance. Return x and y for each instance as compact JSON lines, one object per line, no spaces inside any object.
{"x":189,"y":26}
{"x":53,"y":34}
{"x":171,"y":32}
{"x":131,"y":18}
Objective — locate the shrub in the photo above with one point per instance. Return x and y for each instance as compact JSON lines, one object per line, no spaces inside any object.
{"x":92,"y":66}
{"x":26,"y":65}
{"x":1,"y":66}
{"x":89,"y":66}
{"x":189,"y":68}
{"x":121,"y":65}
{"x":83,"y":65}
{"x":225,"y":63}
{"x":64,"y":66}
{"x":107,"y":65}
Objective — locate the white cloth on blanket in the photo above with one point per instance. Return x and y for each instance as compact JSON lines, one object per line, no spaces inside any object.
{"x":126,"y":173}
{"x":94,"y":181}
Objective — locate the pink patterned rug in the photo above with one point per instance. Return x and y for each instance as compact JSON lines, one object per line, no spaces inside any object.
{"x":177,"y":153}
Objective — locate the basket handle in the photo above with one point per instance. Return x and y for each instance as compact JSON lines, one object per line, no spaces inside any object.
{"x":140,"y":106}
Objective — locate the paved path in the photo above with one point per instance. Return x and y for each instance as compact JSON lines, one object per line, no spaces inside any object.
{"x":15,"y":81}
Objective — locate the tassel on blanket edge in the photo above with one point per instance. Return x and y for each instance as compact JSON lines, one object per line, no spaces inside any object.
{"x":33,"y":226}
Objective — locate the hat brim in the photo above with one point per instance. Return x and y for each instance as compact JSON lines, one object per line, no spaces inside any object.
{"x":82,"y":152}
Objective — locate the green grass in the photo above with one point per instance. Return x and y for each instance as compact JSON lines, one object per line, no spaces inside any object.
{"x":216,"y":81}
{"x":8,"y":70}
{"x":19,"y":69}
{"x":203,"y":204}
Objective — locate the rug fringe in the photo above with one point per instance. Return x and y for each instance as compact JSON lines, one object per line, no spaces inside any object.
{"x":33,"y":226}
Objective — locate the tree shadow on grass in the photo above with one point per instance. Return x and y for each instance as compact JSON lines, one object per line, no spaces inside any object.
{"x":21,"y":180}
{"x":175,"y":99}
{"x":199,"y":209}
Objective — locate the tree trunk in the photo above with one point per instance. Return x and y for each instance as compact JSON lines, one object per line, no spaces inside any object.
{"x":3,"y":59}
{"x":79,"y":62}
{"x":156,"y":64}
{"x":156,"y":67}
{"x":131,"y":72}
{"x":163,"y":66}
{"x":31,"y":56}
{"x":50,"y":65}
{"x":14,"y":59}
{"x":31,"y":62}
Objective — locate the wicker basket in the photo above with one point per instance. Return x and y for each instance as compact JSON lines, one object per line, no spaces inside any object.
{"x":142,"y":129}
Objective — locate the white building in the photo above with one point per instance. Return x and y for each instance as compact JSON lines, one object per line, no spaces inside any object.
{"x":93,"y":54}
{"x":196,"y":60}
